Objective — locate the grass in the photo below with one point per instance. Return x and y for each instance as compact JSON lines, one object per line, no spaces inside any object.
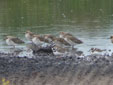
{"x":5,"y":82}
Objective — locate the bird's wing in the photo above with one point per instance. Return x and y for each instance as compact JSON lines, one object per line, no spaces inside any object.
{"x":76,"y":40}
{"x":17,"y":40}
{"x":64,"y":42}
{"x":43,"y":39}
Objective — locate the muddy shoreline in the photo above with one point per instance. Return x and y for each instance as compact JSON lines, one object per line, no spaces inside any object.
{"x":47,"y":66}
{"x":50,"y":64}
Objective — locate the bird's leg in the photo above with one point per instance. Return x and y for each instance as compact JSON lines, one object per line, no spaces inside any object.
{"x":13,"y":46}
{"x":12,"y":49}
{"x":29,"y":50}
{"x":72,"y":47}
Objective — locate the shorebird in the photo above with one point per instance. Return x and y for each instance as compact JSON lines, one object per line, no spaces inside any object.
{"x":29,"y":35}
{"x":56,"y":40}
{"x":49,"y":37}
{"x":61,"y":42}
{"x":13,"y":41}
{"x":32,"y":47}
{"x":93,"y":50}
{"x":111,"y":39}
{"x":39,"y":40}
{"x":70,"y":38}
{"x":59,"y":51}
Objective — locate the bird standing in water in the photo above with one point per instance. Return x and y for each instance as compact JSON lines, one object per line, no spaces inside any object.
{"x":49,"y":37}
{"x":59,"y":51}
{"x":61,"y":42}
{"x":39,"y":40}
{"x":70,"y":38}
{"x":13,"y":41}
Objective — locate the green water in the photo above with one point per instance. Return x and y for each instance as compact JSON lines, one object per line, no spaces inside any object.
{"x":27,"y":13}
{"x":89,"y":20}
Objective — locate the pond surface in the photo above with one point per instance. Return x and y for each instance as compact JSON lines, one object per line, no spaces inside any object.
{"x":89,"y":20}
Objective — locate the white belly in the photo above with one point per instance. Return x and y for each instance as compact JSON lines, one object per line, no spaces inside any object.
{"x":50,"y":40}
{"x":10,"y":42}
{"x":69,"y":41}
{"x":61,"y":36}
{"x":37,"y":41}
{"x":29,"y":37}
{"x":57,"y":53}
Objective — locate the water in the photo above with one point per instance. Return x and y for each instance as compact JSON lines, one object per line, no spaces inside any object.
{"x":89,"y":20}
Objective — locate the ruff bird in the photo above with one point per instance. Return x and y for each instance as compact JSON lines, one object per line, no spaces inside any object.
{"x":59,"y":51}
{"x":49,"y":37}
{"x":61,"y":42}
{"x":13,"y":41}
{"x":92,"y":50}
{"x":39,"y":40}
{"x":70,"y":38}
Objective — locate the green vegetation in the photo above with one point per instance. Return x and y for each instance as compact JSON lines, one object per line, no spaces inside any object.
{"x":5,"y":82}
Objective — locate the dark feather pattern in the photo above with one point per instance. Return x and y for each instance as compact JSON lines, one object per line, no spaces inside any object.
{"x":61,"y":40}
{"x":74,"y":39}
{"x":17,"y":40}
